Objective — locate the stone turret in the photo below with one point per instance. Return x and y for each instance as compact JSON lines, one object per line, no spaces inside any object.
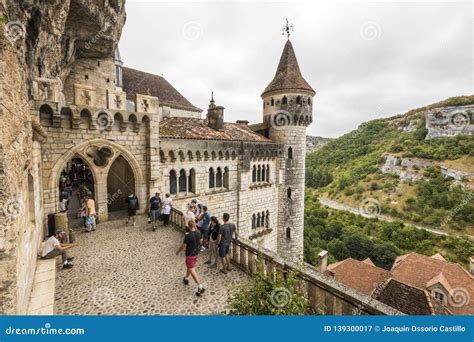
{"x":287,"y":111}
{"x":215,"y":115}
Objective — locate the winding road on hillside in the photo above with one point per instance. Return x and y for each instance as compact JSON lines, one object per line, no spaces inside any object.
{"x":341,"y":206}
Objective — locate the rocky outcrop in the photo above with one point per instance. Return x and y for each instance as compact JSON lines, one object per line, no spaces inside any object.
{"x":450,"y":121}
{"x":38,"y":40}
{"x":315,"y":143}
{"x":408,"y":169}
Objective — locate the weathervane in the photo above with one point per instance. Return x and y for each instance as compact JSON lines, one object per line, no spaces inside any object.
{"x":287,"y":28}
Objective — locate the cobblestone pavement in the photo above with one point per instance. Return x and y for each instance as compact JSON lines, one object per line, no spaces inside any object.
{"x":124,"y":270}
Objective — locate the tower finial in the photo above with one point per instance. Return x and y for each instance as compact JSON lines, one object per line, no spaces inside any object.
{"x":212,"y":102}
{"x":287,"y":28}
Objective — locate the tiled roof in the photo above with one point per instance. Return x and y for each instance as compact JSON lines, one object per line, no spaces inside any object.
{"x":408,"y":299}
{"x":191,"y":128}
{"x":418,"y":270}
{"x":359,"y":275}
{"x":288,"y":75}
{"x":140,"y":82}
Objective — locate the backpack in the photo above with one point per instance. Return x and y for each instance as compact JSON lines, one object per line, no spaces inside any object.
{"x":133,"y":203}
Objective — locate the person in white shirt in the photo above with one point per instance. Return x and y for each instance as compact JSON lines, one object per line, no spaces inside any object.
{"x":189,"y":216}
{"x":63,"y":205}
{"x":166,"y":209}
{"x":53,"y":248}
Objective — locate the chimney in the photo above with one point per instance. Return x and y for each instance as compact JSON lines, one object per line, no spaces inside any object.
{"x":242,"y":122}
{"x":215,"y":115}
{"x":471,"y":265}
{"x":323,"y":261}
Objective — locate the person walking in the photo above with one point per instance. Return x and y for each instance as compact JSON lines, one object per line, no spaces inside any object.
{"x":224,"y":241}
{"x":155,"y":208}
{"x":90,"y":214}
{"x":132,"y":207}
{"x":205,"y":219}
{"x":166,"y":209}
{"x":191,"y":246}
{"x":213,"y":235}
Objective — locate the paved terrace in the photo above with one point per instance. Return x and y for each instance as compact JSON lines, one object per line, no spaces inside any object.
{"x":124,"y":270}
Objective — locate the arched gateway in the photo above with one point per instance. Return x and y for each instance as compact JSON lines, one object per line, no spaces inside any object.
{"x":115,"y":172}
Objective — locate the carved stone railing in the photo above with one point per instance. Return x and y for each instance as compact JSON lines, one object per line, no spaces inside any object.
{"x":325,"y":294}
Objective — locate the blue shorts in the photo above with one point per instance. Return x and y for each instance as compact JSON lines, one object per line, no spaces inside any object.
{"x":206,"y":232}
{"x":224,"y":248}
{"x":155,"y":215}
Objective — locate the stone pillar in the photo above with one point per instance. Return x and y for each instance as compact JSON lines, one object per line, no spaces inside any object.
{"x":100,"y":191}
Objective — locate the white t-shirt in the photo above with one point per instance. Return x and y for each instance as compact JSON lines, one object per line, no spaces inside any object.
{"x":50,"y":245}
{"x":63,"y":205}
{"x":189,"y":216}
{"x":167,"y":202}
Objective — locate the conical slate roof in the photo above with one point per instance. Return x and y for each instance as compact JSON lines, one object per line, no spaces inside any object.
{"x":288,"y":75}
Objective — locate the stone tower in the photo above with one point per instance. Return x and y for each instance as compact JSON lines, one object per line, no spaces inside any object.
{"x":287,"y":111}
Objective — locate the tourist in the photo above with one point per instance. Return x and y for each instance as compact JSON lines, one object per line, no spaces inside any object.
{"x":224,"y":240}
{"x":166,"y":205}
{"x":54,"y":247}
{"x":155,"y":206}
{"x":63,"y":205}
{"x":90,"y":214}
{"x":195,"y":207}
{"x":191,"y":245}
{"x":205,"y":219}
{"x":132,"y":207}
{"x":188,"y":217}
{"x":213,"y":235}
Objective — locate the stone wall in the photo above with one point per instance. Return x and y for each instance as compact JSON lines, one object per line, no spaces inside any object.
{"x":37,"y":40}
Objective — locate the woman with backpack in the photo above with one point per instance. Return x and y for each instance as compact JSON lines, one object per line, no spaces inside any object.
{"x":132,"y":204}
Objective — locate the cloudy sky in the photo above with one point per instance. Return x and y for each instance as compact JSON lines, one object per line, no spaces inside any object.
{"x":365,"y":60}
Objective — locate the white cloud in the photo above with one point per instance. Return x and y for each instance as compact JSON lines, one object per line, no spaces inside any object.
{"x":421,"y":54}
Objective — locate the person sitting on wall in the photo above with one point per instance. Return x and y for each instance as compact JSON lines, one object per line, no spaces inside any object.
{"x":54,"y":247}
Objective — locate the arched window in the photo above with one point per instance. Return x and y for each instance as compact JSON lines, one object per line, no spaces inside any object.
{"x":206,"y":155}
{"x":226,"y":178}
{"x":288,"y":193}
{"x":46,"y":115}
{"x":254,"y":174}
{"x":309,"y":101}
{"x":221,"y":155}
{"x":284,"y":100}
{"x":192,"y":181}
{"x":262,"y":219}
{"x":290,"y":153}
{"x":288,"y":233}
{"x":254,"y":221}
{"x":190,"y":156}
{"x":213,"y":155}
{"x":212,"y":178}
{"x":272,"y":102}
{"x":263,"y":173}
{"x":173,"y":187}
{"x":259,"y":173}
{"x":258,"y":220}
{"x":267,"y":219}
{"x":182,"y":180}
{"x":219,"y":178}
{"x":298,"y":100}
{"x":267,"y":175}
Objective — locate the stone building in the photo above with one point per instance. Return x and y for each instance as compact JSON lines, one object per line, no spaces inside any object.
{"x":68,"y":96}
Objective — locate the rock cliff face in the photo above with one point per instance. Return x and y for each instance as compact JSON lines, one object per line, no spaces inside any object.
{"x":314,"y":143}
{"x":37,"y":40}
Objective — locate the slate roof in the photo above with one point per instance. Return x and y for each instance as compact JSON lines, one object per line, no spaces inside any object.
{"x":288,"y":75}
{"x":140,"y":82}
{"x":192,"y":128}
{"x":420,"y":270}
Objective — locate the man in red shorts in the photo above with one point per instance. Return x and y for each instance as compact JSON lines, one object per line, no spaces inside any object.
{"x":192,"y":246}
